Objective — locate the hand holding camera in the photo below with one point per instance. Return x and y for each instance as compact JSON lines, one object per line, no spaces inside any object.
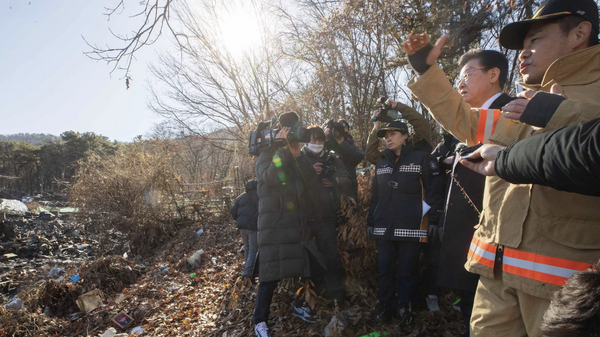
{"x":384,"y":112}
{"x":334,"y":130}
{"x":319,"y":168}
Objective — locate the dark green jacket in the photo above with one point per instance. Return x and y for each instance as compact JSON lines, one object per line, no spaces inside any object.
{"x":285,"y":213}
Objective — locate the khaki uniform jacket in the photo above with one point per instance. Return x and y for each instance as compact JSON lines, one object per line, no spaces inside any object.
{"x":413,"y":117}
{"x":542,"y":235}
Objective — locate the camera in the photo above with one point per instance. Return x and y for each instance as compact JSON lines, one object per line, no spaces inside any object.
{"x":386,"y":113}
{"x":337,"y":129}
{"x":328,"y":166}
{"x":263,"y":138}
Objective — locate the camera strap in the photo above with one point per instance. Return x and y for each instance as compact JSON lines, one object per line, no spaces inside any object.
{"x":465,"y":194}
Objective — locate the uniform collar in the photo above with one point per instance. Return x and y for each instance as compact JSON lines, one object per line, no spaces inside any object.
{"x":578,"y":68}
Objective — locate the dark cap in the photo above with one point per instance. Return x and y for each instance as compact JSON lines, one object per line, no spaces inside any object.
{"x":289,"y":119}
{"x":513,"y":34}
{"x":392,"y":126}
{"x":344,"y":123}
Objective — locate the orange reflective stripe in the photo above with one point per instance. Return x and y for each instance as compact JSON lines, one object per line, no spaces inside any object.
{"x":480,"y":259}
{"x":481,"y":126}
{"x":549,"y":260}
{"x":481,"y":252}
{"x":486,"y":126}
{"x":542,"y":268}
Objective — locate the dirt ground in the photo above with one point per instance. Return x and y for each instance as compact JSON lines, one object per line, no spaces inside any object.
{"x":162,"y":295}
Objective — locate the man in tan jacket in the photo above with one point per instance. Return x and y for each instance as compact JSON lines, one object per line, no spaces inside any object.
{"x":530,"y":238}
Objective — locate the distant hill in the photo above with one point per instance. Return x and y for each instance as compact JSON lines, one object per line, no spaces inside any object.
{"x":31,"y":138}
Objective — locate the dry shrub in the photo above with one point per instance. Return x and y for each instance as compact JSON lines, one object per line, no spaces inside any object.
{"x":358,"y":252}
{"x":136,"y":191}
{"x":61,"y":298}
{"x":109,"y":274}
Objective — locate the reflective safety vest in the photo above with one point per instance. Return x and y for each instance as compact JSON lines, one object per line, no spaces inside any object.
{"x":488,"y":118}
{"x":538,"y":267}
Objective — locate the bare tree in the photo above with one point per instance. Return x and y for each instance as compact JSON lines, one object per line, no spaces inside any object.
{"x":209,"y":88}
{"x":156,"y":17}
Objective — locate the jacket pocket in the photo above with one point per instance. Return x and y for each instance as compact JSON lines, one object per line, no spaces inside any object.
{"x":570,"y":219}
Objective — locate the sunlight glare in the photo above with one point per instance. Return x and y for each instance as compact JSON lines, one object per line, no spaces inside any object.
{"x":241,"y":29}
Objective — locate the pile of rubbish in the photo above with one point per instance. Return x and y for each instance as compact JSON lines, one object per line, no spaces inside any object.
{"x":59,"y":276}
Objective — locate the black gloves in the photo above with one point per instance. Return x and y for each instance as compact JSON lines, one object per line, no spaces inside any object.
{"x":418,"y":60}
{"x":370,"y":232}
{"x":433,"y":232}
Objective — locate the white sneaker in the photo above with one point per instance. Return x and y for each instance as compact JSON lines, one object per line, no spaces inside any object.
{"x":261,"y":330}
{"x":432,"y":303}
{"x":305,"y":314}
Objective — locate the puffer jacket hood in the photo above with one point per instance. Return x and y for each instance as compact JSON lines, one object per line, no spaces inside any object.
{"x":251,"y":185}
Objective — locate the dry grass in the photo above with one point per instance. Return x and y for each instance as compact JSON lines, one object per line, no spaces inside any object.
{"x":136,"y":191}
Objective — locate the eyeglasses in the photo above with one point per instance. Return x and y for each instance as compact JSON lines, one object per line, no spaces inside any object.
{"x":465,"y":77}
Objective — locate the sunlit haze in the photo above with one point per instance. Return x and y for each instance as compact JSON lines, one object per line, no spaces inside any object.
{"x":240,"y":28}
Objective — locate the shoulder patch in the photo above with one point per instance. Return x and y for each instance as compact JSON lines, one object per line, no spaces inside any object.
{"x":433,"y":165}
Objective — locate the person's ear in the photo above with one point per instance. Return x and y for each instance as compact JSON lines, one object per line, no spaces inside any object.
{"x":494,"y":75}
{"x":580,"y":35}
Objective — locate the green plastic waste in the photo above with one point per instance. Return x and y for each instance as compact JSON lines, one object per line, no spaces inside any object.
{"x":376,"y":334}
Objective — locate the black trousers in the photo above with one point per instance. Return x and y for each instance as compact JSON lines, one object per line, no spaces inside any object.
{"x":466,"y":307}
{"x":264,"y":297}
{"x":432,"y":252}
{"x":326,"y":237}
{"x":398,"y":264}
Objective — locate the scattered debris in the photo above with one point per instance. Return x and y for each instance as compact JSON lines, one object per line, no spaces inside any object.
{"x":111,"y":332}
{"x":137,"y":330}
{"x":55,"y":272}
{"x":89,"y":301}
{"x":15,"y":304}
{"x":194,"y":260}
{"x":122,"y":321}
{"x":159,"y":292}
{"x":200,"y":232}
{"x":12,"y":206}
{"x":75,"y":278}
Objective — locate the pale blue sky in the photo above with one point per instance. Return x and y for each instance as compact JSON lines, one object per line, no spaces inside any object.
{"x":49,"y":86}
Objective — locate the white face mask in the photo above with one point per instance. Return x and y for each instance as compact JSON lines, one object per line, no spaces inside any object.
{"x":316,"y":148}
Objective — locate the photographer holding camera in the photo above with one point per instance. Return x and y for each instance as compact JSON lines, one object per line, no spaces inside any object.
{"x":340,"y":141}
{"x":286,"y":211}
{"x":333,"y":180}
{"x":421,"y":138}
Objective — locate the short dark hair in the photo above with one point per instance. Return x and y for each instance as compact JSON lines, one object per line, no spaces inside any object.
{"x":316,"y":132}
{"x":488,"y":59}
{"x":575,"y":309}
{"x":569,"y":22}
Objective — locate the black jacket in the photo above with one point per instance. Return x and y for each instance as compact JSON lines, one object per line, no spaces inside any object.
{"x":245,"y":208}
{"x":328,"y":198}
{"x":566,"y":159}
{"x":351,"y":156}
{"x":400,"y":186}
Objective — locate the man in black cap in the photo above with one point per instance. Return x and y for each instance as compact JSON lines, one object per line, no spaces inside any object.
{"x":349,"y":153}
{"x":532,"y":238}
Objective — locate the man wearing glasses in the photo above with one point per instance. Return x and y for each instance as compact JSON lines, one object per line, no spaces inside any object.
{"x":483,"y":76}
